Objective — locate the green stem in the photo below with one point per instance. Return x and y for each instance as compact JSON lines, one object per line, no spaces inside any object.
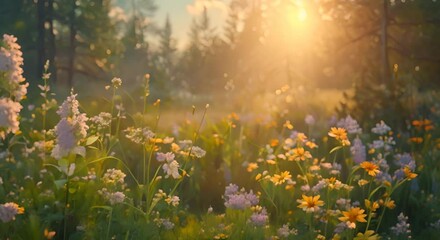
{"x":302,"y":171}
{"x":111,"y":110}
{"x":144,"y":164}
{"x":66,"y":208}
{"x":109,"y":223}
{"x":380,"y":218}
{"x":270,"y":198}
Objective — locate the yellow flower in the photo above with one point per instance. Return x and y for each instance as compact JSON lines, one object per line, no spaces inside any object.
{"x":371,"y":168}
{"x":300,"y":154}
{"x":251,"y":167}
{"x":274,"y":142}
{"x":362,"y":182}
{"x":410,"y":175}
{"x":13,"y":206}
{"x":311,"y":144}
{"x":49,"y":234}
{"x":156,"y":140}
{"x":288,"y":125}
{"x":258,"y":177}
{"x":301,"y":137}
{"x":233,"y":116}
{"x":339,"y":134}
{"x":368,"y":235}
{"x":390,"y":204}
{"x":320,"y":237}
{"x":416,"y":139}
{"x":373,"y":206}
{"x":175,"y":147}
{"x":310,"y":204}
{"x":271,"y":162}
{"x":352,"y":216}
{"x":221,"y":236}
{"x":278,"y":179}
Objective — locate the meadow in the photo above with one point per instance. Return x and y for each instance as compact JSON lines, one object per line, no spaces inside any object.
{"x":108,"y":169}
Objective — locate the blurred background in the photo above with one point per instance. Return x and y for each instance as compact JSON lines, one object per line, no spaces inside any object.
{"x":371,"y":59}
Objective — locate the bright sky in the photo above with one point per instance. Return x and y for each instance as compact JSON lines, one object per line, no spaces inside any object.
{"x":181,"y":13}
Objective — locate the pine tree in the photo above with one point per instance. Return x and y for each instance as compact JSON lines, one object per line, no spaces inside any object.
{"x":167,"y":47}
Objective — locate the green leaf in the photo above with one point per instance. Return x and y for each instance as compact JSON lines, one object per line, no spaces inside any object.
{"x":335,"y":149}
{"x":72,"y":190}
{"x":92,"y":139}
{"x":60,"y":183}
{"x":92,"y":147}
{"x":103,"y":207}
{"x":63,"y":163}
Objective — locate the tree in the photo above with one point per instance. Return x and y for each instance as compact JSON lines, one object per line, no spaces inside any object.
{"x":194,"y":69}
{"x":167,"y":46}
{"x":163,"y":63}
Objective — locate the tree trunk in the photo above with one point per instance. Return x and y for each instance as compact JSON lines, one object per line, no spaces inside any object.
{"x":384,"y":44}
{"x":52,"y":46}
{"x":41,"y":37}
{"x":71,"y":62}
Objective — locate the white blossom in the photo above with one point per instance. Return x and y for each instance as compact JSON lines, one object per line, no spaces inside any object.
{"x":171,"y":169}
{"x":9,"y":116}
{"x":11,"y":61}
{"x":70,"y":129}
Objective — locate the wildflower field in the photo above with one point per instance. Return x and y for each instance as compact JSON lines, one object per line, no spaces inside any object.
{"x":69,"y":174}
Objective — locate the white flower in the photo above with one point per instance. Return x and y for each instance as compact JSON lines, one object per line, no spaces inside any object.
{"x":285,"y":231}
{"x":165,"y":223}
{"x":309,"y":120}
{"x":198,"y":152}
{"x":9,"y":210}
{"x":117,"y":82}
{"x":168,"y":157}
{"x":358,"y":151}
{"x":112,"y":197}
{"x":350,"y":125}
{"x":103,"y":120}
{"x":139,"y":135}
{"x":171,"y":169}
{"x":116,"y":197}
{"x":70,"y":129}
{"x":381,"y":128}
{"x":9,"y":116}
{"x":113,"y":176}
{"x":173,"y":200}
{"x":11,"y":61}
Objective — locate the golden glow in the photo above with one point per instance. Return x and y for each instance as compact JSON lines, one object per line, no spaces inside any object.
{"x":302,"y":15}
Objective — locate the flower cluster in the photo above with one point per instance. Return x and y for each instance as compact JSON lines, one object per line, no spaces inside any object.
{"x":70,"y":129}
{"x":9,"y":111}
{"x":350,"y":124}
{"x":101,"y":121}
{"x":9,"y":210}
{"x":259,"y":216}
{"x":236,"y":199}
{"x":170,"y":165}
{"x":113,"y":176}
{"x":112,"y":197}
{"x":186,"y":148}
{"x":12,"y":80}
{"x":328,"y":192}
{"x":11,"y":61}
{"x":139,"y":135}
{"x":402,"y":228}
